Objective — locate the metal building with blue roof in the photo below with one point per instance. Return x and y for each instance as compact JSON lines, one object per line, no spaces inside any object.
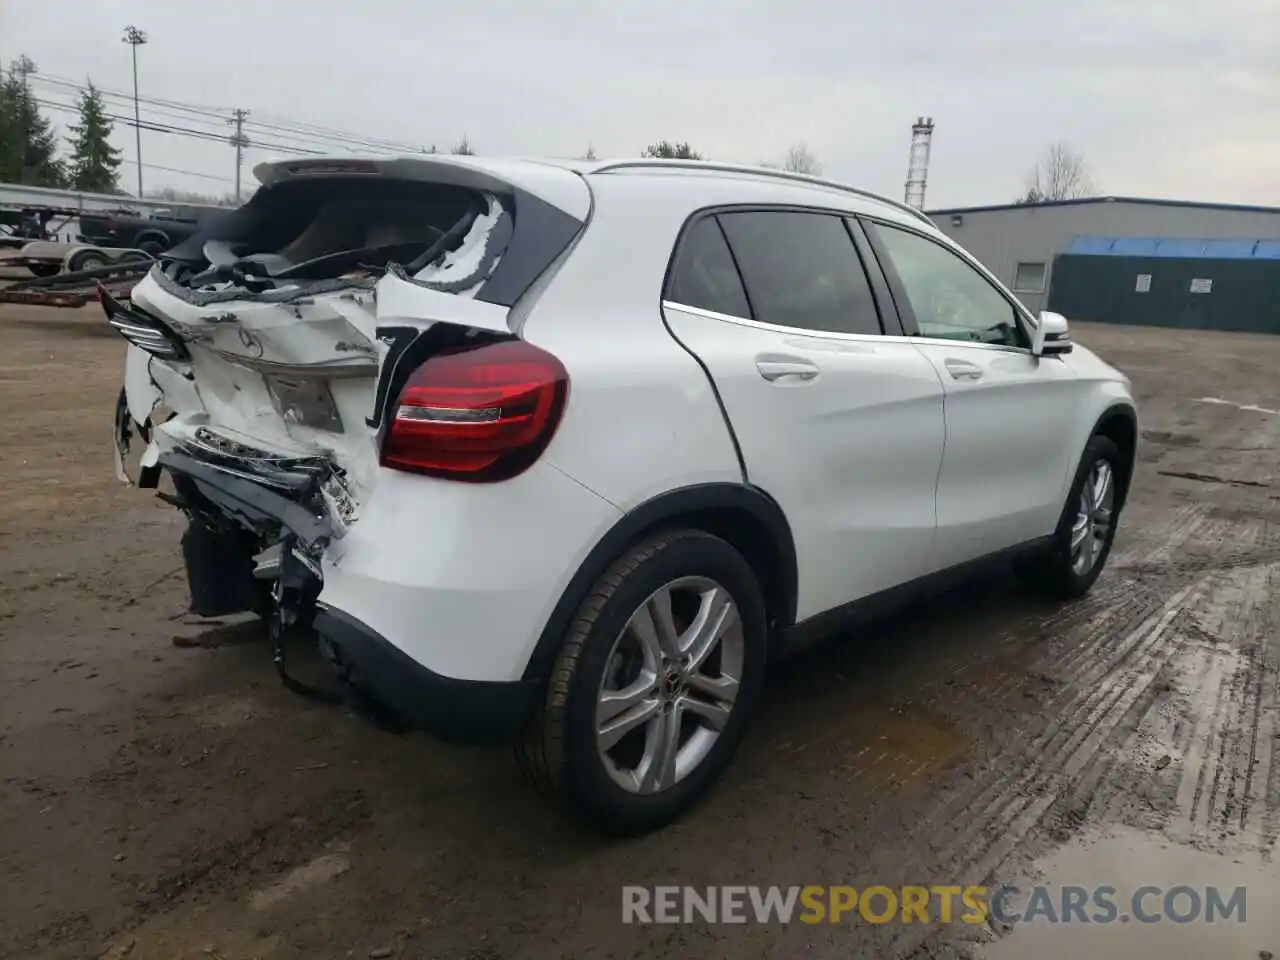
{"x":1132,"y":259}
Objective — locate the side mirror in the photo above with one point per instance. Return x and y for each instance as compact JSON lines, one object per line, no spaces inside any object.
{"x":1051,"y":337}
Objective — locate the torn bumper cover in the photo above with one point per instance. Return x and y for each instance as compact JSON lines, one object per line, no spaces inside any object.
{"x":126,"y":428}
{"x":230,"y":509}
{"x":245,"y":498}
{"x":375,"y":678}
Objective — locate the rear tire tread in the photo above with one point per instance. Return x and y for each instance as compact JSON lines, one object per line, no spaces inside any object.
{"x":543,"y":752}
{"x":542,"y":746}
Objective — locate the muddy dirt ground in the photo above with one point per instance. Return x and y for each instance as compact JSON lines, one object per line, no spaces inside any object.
{"x":164,"y":797}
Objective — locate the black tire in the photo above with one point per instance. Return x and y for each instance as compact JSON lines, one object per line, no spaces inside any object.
{"x":559,"y":745}
{"x":44,"y":269}
{"x":153,"y":248}
{"x":1052,"y":573}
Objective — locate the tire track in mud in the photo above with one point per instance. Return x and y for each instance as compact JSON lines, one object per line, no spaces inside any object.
{"x":1205,"y":706}
{"x":914,"y":709}
{"x":1104,"y":682}
{"x":1019,"y":790}
{"x":1222,"y":800}
{"x":1128,"y":766}
{"x":1227,"y":794}
{"x":1269,"y":786}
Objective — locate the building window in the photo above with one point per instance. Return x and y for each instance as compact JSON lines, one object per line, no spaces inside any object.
{"x":1029,"y":278}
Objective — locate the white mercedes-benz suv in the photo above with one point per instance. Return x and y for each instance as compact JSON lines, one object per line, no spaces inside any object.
{"x":565,"y":454}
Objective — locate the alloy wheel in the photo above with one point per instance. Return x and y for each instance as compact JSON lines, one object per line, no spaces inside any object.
{"x":670,"y":685}
{"x":1094,"y":517}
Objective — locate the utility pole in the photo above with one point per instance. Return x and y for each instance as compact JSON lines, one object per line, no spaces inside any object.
{"x":239,"y":141}
{"x":136,"y":38}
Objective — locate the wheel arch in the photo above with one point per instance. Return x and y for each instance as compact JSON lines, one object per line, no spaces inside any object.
{"x":744,"y":516}
{"x":1119,"y":424}
{"x":152,"y":235}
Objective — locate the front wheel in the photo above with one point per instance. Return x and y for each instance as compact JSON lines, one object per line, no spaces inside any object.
{"x":1086,"y":529}
{"x":651,"y":692}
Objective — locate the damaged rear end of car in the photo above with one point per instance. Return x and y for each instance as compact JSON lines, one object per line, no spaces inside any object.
{"x":351,"y":320}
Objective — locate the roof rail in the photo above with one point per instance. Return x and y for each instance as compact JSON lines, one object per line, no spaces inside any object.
{"x":715,"y":167}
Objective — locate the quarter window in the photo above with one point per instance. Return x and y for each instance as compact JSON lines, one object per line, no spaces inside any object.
{"x":704,"y":274}
{"x":802,"y":270}
{"x":950,"y":299}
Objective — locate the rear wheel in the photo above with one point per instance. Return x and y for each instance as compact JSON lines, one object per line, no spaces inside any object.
{"x":652,"y":690}
{"x":44,"y":269}
{"x":1086,"y":528}
{"x":88,"y":261}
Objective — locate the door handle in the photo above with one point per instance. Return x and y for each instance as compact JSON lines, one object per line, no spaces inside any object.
{"x":786,"y":368}
{"x":963,"y":370}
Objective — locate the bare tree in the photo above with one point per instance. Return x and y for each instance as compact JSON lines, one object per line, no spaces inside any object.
{"x":1061,"y":174}
{"x":463,"y":147}
{"x":590,"y":154}
{"x":800,"y":159}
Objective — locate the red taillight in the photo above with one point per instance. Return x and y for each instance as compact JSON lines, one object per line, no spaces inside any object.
{"x":479,"y":413}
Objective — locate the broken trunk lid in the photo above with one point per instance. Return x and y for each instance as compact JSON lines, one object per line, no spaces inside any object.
{"x":550,"y":182}
{"x":299,"y":237}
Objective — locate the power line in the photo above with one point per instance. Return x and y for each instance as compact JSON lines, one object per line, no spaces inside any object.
{"x":188,"y":120}
{"x":282,"y":125}
{"x":124,"y":95}
{"x":308,"y":138}
{"x":298,"y":128}
{"x":189,"y":173}
{"x":190,"y":132}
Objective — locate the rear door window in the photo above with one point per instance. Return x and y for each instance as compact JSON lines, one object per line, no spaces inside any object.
{"x":802,"y":270}
{"x":704,"y":274}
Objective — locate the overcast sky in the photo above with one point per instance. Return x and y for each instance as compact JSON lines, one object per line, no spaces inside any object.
{"x":1172,"y":98}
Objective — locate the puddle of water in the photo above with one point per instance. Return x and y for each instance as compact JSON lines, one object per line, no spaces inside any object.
{"x":1128,"y":860}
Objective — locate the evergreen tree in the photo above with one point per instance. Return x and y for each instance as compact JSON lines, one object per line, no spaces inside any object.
{"x":27,"y":147}
{"x":667,"y":150}
{"x":95,"y":163}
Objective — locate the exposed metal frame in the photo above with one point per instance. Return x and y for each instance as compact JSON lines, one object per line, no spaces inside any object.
{"x":660,"y":163}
